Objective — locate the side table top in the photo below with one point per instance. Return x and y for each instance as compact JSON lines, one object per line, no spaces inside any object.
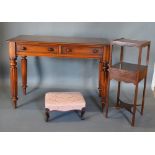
{"x":130,"y":42}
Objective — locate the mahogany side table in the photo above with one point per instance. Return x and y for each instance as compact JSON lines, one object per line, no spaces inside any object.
{"x":56,"y":47}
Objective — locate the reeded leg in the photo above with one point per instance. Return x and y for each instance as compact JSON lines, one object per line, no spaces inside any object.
{"x":134,"y":106}
{"x":13,"y":81}
{"x":142,"y":108}
{"x":24,"y":74}
{"x":82,"y":113}
{"x":118,"y":94}
{"x":47,"y":115}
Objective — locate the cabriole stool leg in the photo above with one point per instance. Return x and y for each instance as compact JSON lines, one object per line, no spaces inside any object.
{"x":82,"y":113}
{"x":47,"y":115}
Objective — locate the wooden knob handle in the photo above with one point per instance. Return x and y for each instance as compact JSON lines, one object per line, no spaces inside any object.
{"x":95,"y":50}
{"x":68,"y":50}
{"x":50,"y":49}
{"x":23,"y":48}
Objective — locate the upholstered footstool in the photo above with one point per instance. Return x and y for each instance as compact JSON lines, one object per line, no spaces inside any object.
{"x":64,"y":101}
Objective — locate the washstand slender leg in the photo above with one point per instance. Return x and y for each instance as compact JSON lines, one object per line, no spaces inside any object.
{"x":24,"y":73}
{"x":135,"y":105}
{"x":119,"y":82}
{"x":13,"y":81}
{"x":107,"y":98}
{"x":144,"y":90}
{"x":118,"y":94}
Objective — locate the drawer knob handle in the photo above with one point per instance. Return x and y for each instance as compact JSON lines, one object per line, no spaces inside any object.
{"x":23,"y":48}
{"x":50,"y":49}
{"x":95,"y":51}
{"x":68,"y":50}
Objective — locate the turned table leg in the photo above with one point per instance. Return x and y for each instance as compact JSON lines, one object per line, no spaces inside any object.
{"x":24,"y":73}
{"x":105,"y":80}
{"x":100,"y":78}
{"x":13,"y":81}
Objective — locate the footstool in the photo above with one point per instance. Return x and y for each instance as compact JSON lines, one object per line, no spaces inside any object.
{"x":64,"y":101}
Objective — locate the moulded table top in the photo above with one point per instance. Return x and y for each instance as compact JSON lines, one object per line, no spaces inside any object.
{"x":58,"y":39}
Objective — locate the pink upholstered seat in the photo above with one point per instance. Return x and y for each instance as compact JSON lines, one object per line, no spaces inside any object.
{"x":64,"y":101}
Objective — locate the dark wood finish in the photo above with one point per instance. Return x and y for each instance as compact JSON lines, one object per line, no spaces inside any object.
{"x":82,"y":113}
{"x":129,"y":73}
{"x":58,"y":47}
{"x":47,"y":115}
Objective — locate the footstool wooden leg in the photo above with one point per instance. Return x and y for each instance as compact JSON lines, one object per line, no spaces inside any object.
{"x":47,"y":115}
{"x":82,"y":113}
